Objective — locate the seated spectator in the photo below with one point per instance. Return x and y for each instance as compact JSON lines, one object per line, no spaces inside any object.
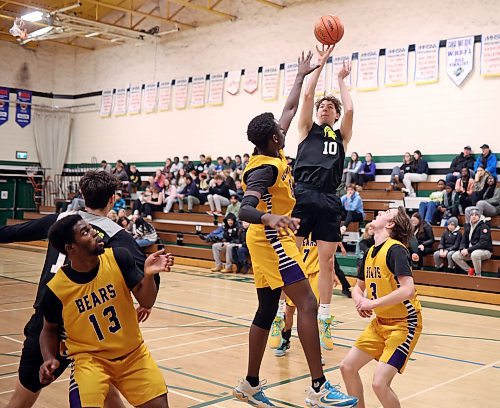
{"x":209,"y":167}
{"x":449,"y":207}
{"x":398,"y":173}
{"x":480,"y":185}
{"x":125,"y":223}
{"x":112,"y":215}
{"x":176,"y":166}
{"x":420,"y":173}
{"x":170,"y":196}
{"x":229,"y":164}
{"x":241,"y":258}
{"x":489,"y":205}
{"x":187,"y":165}
{"x":448,"y":245}
{"x":167,"y":166}
{"x":352,"y":207}
{"x":120,"y":173}
{"x":367,"y":171}
{"x":105,"y":167}
{"x":181,"y":181}
{"x":421,"y":242}
{"x":487,"y":160}
{"x":218,"y":195}
{"x":464,"y":159}
{"x":201,"y":166}
{"x":239,"y":190}
{"x":476,"y":244}
{"x":234,"y":206}
{"x":138,"y":204}
{"x":427,"y":209}
{"x":159,"y":180}
{"x":351,"y":171}
{"x":246,"y":159}
{"x":119,"y":202}
{"x":229,"y":181}
{"x":122,"y":212}
{"x":144,"y":233}
{"x":220,"y":164}
{"x":230,"y":240}
{"x":189,"y":194}
{"x":465,"y":187}
{"x":135,"y":179}
{"x":238,"y":170}
{"x":153,"y":203}
{"x":78,"y":203}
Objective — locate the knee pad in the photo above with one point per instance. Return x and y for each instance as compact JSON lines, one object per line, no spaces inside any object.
{"x":268,"y":307}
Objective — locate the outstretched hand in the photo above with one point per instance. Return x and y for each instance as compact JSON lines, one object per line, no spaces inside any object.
{"x":324,"y":53}
{"x":158,"y":262}
{"x":305,"y":67}
{"x":345,"y":70}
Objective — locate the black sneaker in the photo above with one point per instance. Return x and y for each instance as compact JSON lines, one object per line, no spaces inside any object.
{"x":282,"y":349}
{"x":347,"y":292}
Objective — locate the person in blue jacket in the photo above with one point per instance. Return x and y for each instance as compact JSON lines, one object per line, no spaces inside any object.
{"x":352,"y":207}
{"x":487,"y":160}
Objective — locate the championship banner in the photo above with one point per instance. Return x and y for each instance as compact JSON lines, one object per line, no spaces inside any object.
{"x":460,"y":58}
{"x":164,"y":91}
{"x":250,"y":80}
{"x":106,"y":103}
{"x":367,"y":71}
{"x":149,"y":97}
{"x":198,"y":92}
{"x":291,"y":69}
{"x":233,"y":82}
{"x":396,"y":66}
{"x":490,"y":55}
{"x":270,"y":82}
{"x":426,"y":63}
{"x":134,"y":100}
{"x":120,"y":105}
{"x":4,"y":105}
{"x":181,"y":91}
{"x":338,"y":63}
{"x":216,"y":89}
{"x":23,"y":108}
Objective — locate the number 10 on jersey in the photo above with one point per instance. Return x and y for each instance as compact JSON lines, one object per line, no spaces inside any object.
{"x":330,"y":147}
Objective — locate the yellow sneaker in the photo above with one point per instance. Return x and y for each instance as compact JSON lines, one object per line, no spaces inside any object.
{"x":325,"y":335}
{"x":276,"y":328}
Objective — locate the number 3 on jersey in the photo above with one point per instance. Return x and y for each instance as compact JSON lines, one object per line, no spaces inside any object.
{"x":329,"y":148}
{"x":373,"y":287}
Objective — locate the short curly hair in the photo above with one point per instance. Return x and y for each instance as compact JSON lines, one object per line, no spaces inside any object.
{"x":261,"y":128}
{"x":336,"y":102}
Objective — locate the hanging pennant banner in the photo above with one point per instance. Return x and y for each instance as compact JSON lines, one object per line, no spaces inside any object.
{"x":270,"y":82}
{"x":149,"y":97}
{"x":164,"y":91}
{"x":181,"y":91}
{"x":250,"y":80}
{"x":426,"y":63}
{"x":23,"y":108}
{"x":4,"y":105}
{"x":291,"y":69}
{"x":338,"y":63}
{"x":490,"y":55}
{"x":198,"y":92}
{"x":233,"y":82}
{"x":216,"y":89}
{"x":396,"y":66}
{"x":134,"y":100}
{"x":106,"y":103}
{"x":120,"y":106}
{"x":368,"y":71}
{"x":460,"y":58}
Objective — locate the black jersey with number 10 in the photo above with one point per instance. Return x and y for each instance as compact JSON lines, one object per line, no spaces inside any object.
{"x":320,"y":158}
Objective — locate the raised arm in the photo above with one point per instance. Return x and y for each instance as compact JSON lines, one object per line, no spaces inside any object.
{"x":27,"y":231}
{"x":345,"y":97}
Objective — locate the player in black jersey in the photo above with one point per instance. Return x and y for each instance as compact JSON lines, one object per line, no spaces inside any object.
{"x":318,"y":172}
{"x":98,"y":189}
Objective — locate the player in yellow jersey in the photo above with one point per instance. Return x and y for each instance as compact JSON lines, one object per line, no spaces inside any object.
{"x":90,"y":296}
{"x":391,"y":337}
{"x":277,"y":264}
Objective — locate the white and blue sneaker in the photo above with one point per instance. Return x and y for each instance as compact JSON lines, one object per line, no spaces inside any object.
{"x":283,"y":348}
{"x":252,"y":395}
{"x":329,"y":396}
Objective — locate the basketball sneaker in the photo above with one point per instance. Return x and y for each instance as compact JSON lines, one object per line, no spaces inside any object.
{"x":275,"y":336}
{"x":329,"y":396}
{"x":325,"y":335}
{"x":252,"y":395}
{"x":283,"y":348}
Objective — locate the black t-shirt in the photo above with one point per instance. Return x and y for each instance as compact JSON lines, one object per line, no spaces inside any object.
{"x":50,"y":305}
{"x":320,"y":159}
{"x":398,"y":260}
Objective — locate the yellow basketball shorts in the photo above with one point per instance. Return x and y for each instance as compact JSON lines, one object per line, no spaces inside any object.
{"x":136,"y":376}
{"x":276,"y":261}
{"x":313,"y":281}
{"x":390,"y":341}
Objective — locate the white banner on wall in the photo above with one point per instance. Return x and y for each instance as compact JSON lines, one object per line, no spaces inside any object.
{"x":106,"y":103}
{"x":216,"y":89}
{"x":180,"y":95}
{"x":120,"y":105}
{"x":367,"y":71}
{"x":396,"y":66}
{"x":149,"y":97}
{"x":270,"y":82}
{"x":338,"y":63}
{"x":291,"y":69}
{"x":198,"y":92}
{"x":250,"y":80}
{"x":460,"y":58}
{"x":134,"y":100}
{"x":233,"y":81}
{"x":164,"y":92}
{"x":490,"y":55}
{"x":426,"y":63}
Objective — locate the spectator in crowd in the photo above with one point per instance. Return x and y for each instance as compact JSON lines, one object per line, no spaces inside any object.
{"x":234,"y":206}
{"x":77,"y":203}
{"x":138,"y":204}
{"x":204,"y":186}
{"x":159,"y":180}
{"x":464,"y":159}
{"x":229,"y":164}
{"x":170,"y":196}
{"x":239,"y":190}
{"x":246,"y":159}
{"x":122,"y":212}
{"x":367,"y":172}
{"x":112,"y":215}
{"x":200,"y":168}
{"x":398,"y":173}
{"x":167,"y":166}
{"x":120,"y":173}
{"x":351,"y":171}
{"x":119,"y":202}
{"x":105,"y":167}
{"x":242,"y":253}
{"x":420,"y":173}
{"x":238,"y":171}
{"x":480,"y":184}
{"x":352,"y":207}
{"x":421,"y":242}
{"x":487,"y":160}
{"x":427,"y":209}
{"x":125,"y":223}
{"x":365,"y":243}
{"x":231,"y":239}
{"x":153,"y":203}
{"x":476,"y":244}
{"x":229,"y":181}
{"x":448,"y":245}
{"x":187,"y":164}
{"x":449,"y":207}
{"x":189,"y":194}
{"x":135,"y":179}
{"x":220,"y":164}
{"x":209,"y":167}
{"x":489,"y":205}
{"x":465,"y":187}
{"x":218,"y":195}
{"x":144,"y":233}
{"x":176,"y":166}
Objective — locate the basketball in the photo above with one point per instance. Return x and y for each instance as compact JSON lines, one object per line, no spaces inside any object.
{"x":329,"y":30}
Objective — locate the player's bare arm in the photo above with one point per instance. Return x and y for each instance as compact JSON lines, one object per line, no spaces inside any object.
{"x":345,"y":96}
{"x":49,"y":344}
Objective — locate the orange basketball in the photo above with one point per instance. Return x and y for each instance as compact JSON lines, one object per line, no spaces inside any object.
{"x":329,"y":30}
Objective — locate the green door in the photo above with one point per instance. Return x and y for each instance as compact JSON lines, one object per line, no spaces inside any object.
{"x":7,"y":199}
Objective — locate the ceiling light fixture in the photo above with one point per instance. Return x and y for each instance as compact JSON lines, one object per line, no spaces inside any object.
{"x":33,"y":16}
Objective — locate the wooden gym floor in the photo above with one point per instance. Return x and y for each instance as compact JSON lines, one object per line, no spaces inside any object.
{"x":198,"y":336}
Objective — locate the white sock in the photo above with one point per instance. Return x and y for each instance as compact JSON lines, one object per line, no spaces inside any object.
{"x":324,"y":311}
{"x":281,"y":308}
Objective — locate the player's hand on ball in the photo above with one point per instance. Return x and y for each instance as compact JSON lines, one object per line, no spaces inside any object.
{"x":158,"y":262}
{"x":47,"y":371}
{"x":142,"y":314}
{"x":345,"y":70}
{"x":324,"y":53}
{"x":281,"y":223}
{"x":305,"y":67}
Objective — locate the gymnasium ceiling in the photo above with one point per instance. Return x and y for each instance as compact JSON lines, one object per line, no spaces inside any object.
{"x":92,"y":24}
